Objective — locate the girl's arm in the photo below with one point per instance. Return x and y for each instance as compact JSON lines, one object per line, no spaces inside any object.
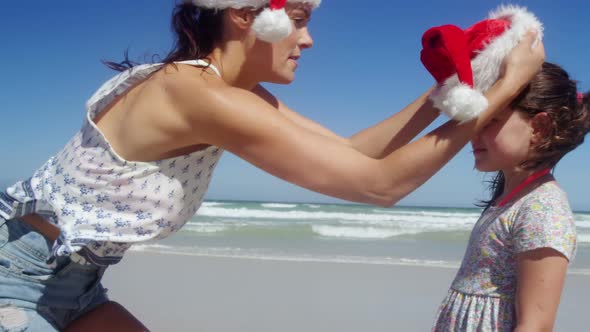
{"x":376,"y":141}
{"x":541,"y":275}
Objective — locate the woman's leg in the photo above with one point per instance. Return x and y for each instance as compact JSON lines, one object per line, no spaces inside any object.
{"x":110,"y":316}
{"x":49,"y":297}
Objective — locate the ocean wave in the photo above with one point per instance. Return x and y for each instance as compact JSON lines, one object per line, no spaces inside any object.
{"x":359,"y":232}
{"x":246,"y":213}
{"x":418,"y":220}
{"x":310,"y":229}
{"x":278,"y":205}
{"x":402,"y":212}
{"x":204,"y":227}
{"x":152,"y":247}
{"x":211,"y":203}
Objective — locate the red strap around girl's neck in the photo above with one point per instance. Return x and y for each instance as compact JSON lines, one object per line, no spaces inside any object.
{"x":523,"y":185}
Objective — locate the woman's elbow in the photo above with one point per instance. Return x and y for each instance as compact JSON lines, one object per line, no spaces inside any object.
{"x":377,"y":192}
{"x":384,"y":199}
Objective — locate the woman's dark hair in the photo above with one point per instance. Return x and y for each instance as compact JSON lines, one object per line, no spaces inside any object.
{"x":553,"y":92}
{"x":196,"y":31}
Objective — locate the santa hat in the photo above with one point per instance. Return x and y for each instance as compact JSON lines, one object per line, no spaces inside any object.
{"x":271,"y":25}
{"x":466,"y":63}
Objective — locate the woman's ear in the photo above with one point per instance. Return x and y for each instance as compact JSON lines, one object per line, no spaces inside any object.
{"x":241,"y":18}
{"x":541,"y":124}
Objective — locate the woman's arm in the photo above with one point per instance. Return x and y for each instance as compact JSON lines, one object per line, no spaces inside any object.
{"x":541,"y":275}
{"x":295,"y":117}
{"x":381,"y":139}
{"x":376,"y":141}
{"x":266,"y":139}
{"x":242,"y":123}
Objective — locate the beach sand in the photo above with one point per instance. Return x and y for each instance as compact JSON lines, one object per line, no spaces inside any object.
{"x":171,"y":292}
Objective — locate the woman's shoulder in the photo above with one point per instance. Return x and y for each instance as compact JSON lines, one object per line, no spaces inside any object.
{"x":184,"y":76}
{"x":193,"y":88}
{"x":190,"y":86}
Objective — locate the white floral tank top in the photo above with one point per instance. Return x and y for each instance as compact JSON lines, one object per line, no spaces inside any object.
{"x":103,"y":203}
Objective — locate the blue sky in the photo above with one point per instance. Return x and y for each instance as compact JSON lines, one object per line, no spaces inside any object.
{"x":363,"y":67}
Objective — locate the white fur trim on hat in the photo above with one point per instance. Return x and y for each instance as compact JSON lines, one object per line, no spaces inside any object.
{"x":486,"y":66}
{"x":459,"y":101}
{"x":272,"y":25}
{"x":451,"y":97}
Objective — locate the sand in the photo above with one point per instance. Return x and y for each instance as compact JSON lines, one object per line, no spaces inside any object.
{"x":170,"y":292}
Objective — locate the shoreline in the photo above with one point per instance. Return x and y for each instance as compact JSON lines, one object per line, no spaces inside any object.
{"x":344,"y":203}
{"x":358,"y":260}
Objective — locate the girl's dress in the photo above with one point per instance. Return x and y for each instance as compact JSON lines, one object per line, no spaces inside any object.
{"x":482,"y":296}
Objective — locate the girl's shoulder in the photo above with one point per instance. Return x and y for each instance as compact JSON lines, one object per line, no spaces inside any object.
{"x":546,"y":201}
{"x":544,"y":219}
{"x":548,"y":193}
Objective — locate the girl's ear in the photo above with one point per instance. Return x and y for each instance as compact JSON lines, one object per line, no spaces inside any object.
{"x":242,"y":18}
{"x":542,"y":127}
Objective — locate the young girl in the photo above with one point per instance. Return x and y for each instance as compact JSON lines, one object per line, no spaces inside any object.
{"x":514,"y":268}
{"x":152,"y":136}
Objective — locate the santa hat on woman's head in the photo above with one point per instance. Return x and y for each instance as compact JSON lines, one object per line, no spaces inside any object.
{"x":271,"y":25}
{"x":466,"y":63}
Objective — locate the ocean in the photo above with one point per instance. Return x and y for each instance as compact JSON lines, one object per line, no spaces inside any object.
{"x":361,"y":234}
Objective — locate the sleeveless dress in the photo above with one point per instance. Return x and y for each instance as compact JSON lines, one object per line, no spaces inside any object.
{"x":102,"y":203}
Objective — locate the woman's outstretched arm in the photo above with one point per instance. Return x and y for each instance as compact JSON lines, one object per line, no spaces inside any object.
{"x":376,"y":141}
{"x":242,"y":123}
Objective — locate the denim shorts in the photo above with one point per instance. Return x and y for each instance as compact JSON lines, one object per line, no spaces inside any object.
{"x":35,"y":295}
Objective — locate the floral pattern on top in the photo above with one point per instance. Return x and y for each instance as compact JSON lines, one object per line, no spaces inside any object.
{"x":103,"y":203}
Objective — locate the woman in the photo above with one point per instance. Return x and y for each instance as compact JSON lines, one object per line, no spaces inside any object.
{"x":140,"y":165}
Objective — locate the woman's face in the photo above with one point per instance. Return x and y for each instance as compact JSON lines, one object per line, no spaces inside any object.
{"x":279,"y":61}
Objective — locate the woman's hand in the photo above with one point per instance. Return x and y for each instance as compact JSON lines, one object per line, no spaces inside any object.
{"x":523,"y":62}
{"x":518,"y":69}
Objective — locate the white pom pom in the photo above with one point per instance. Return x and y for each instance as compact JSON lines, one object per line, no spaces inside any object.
{"x":272,"y":25}
{"x":461,"y":102}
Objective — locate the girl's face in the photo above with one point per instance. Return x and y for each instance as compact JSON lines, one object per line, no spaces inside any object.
{"x":503,"y":144}
{"x":280,"y":60}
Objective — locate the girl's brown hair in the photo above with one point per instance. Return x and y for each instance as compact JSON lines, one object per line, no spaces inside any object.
{"x":553,"y":92}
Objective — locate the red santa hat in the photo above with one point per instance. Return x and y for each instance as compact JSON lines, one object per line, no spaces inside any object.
{"x":466,"y":63}
{"x":271,"y":25}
